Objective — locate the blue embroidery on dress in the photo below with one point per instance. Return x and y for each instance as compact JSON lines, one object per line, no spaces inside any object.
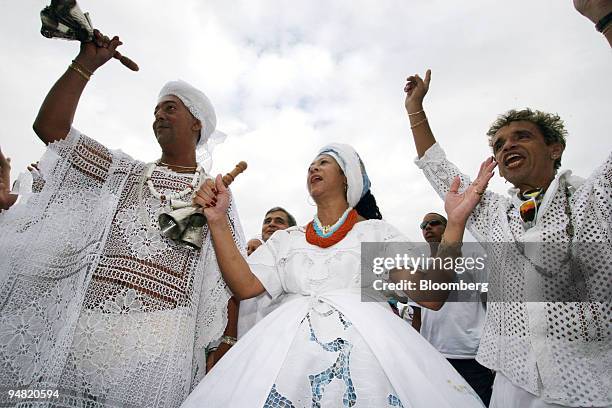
{"x":344,"y":322}
{"x":394,"y":401}
{"x":340,"y":369}
{"x":275,"y":400}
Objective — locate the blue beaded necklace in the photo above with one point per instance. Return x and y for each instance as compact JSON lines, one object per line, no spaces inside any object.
{"x":326,"y":231}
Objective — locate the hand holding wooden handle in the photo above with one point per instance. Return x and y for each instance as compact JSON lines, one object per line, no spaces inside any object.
{"x":229,"y":177}
{"x":126,"y":61}
{"x":65,"y":19}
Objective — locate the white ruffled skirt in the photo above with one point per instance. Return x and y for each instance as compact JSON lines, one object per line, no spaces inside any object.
{"x":332,"y":351}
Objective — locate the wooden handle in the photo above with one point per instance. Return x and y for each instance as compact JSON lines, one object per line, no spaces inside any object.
{"x":126,"y":61}
{"x":229,"y":177}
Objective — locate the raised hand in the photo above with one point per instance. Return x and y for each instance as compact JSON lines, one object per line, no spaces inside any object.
{"x":55,"y":116}
{"x":96,"y":53}
{"x":458,"y":205}
{"x":214,"y":198}
{"x":416,"y":89}
{"x":594,"y":10}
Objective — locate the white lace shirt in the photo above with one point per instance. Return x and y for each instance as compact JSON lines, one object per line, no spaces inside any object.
{"x":560,"y":351}
{"x":94,"y":302}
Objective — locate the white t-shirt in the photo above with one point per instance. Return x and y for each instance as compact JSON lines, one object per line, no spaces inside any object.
{"x":456,"y":328}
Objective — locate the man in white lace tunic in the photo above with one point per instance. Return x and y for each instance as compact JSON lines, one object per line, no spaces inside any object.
{"x":548,"y":331}
{"x":94,"y":302}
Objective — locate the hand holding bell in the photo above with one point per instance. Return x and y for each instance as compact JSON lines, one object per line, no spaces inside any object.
{"x":64,"y":19}
{"x":185,"y":223}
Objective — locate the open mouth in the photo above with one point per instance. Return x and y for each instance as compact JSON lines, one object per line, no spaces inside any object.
{"x":315,"y":179}
{"x":513,"y":160}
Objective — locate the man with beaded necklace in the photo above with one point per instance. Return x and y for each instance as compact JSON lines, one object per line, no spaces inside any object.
{"x":547,"y":331}
{"x":116,"y":314}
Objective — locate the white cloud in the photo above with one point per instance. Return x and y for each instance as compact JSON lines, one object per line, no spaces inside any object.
{"x":288,"y":77}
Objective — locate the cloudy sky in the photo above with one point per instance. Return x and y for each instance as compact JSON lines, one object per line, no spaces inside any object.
{"x":287,"y":77}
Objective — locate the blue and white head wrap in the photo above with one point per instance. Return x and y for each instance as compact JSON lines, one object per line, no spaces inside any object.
{"x":353,"y":168}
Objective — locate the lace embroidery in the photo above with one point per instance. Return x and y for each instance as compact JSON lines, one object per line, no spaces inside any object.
{"x":101,"y":308}
{"x":573,"y":348}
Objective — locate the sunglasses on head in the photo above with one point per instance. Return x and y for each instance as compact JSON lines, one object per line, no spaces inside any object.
{"x":433,"y":223}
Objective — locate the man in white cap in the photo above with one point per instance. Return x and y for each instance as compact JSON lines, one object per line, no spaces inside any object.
{"x":105,"y":310}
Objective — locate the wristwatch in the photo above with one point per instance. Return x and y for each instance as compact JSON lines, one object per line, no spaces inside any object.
{"x":603,"y":23}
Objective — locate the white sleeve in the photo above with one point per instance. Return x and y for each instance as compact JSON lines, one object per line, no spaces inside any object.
{"x":264,"y":264}
{"x":440,"y":173}
{"x":398,"y":243}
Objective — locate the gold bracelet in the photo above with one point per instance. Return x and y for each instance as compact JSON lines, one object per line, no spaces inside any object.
{"x":78,"y":64}
{"x":415,"y":113}
{"x":78,"y":70}
{"x":418,"y":123}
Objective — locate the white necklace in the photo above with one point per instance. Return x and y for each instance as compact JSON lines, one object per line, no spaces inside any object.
{"x":171,"y":196}
{"x":143,"y":215}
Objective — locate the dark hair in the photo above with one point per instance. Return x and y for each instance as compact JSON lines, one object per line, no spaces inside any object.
{"x":290,"y":218}
{"x":367,"y":208}
{"x":444,"y":220}
{"x":550,"y":125}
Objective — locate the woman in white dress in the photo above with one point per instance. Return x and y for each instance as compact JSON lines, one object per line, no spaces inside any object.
{"x":324,"y":347}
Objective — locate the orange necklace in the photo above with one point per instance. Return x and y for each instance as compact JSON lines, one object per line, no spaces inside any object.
{"x":315,"y":239}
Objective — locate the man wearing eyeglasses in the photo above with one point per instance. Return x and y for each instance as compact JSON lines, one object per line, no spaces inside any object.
{"x":547,"y":332}
{"x":455,"y":329}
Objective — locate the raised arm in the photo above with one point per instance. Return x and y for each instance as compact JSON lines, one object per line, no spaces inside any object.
{"x":234,"y":268}
{"x":596,"y":11}
{"x":416,"y":89}
{"x":56,"y":114}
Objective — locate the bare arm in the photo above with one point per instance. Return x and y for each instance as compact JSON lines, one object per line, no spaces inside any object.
{"x":595,"y":10}
{"x":234,"y":268}
{"x":231,"y":330}
{"x":450,"y":247}
{"x":416,"y":89}
{"x":416,"y":319}
{"x":56,"y":113}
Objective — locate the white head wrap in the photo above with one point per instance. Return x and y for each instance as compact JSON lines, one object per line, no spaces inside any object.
{"x":353,"y":168}
{"x":202,"y":109}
